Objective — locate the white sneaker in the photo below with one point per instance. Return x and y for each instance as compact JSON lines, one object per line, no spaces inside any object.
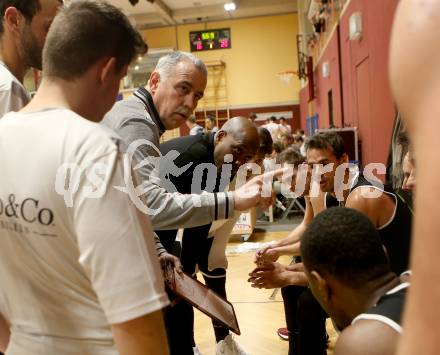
{"x":196,"y":351}
{"x":229,"y":346}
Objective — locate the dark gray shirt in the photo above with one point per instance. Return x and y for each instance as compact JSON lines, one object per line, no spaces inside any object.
{"x":136,"y":120}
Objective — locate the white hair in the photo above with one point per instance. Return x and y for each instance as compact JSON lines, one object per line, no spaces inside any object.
{"x":167,"y":63}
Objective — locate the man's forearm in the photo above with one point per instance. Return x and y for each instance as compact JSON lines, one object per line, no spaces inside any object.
{"x":293,"y":236}
{"x":297,"y":278}
{"x":4,"y":334}
{"x":290,"y":249}
{"x":144,"y":335}
{"x":174,"y":210}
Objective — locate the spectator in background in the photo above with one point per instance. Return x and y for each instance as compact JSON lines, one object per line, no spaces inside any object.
{"x":210,"y":124}
{"x":266,"y":122}
{"x":278,"y":147}
{"x":302,"y":148}
{"x":409,"y":177}
{"x":252,"y":117}
{"x":298,"y":143}
{"x":274,"y":128}
{"x":23,"y":29}
{"x":408,"y":163}
{"x":284,"y":127}
{"x":287,"y":140}
{"x":301,"y":133}
{"x":194,"y":128}
{"x":266,"y":146}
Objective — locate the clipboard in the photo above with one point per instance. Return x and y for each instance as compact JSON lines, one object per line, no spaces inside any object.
{"x":201,"y":297}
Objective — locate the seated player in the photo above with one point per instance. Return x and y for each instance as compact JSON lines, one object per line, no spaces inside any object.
{"x":350,"y":276}
{"x":390,"y":215}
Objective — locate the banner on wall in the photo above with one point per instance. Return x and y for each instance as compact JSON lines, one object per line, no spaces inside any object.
{"x":312,"y":124}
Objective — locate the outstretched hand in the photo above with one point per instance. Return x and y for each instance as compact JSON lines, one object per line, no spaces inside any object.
{"x":275,"y":275}
{"x":266,"y":254}
{"x":257,"y":191}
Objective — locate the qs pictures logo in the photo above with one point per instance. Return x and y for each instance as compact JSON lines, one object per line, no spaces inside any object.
{"x":28,"y":210}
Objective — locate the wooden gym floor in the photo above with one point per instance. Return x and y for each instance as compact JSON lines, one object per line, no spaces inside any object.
{"x":258,"y":316}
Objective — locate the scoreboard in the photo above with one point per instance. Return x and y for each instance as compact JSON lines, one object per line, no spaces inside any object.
{"x":210,"y":39}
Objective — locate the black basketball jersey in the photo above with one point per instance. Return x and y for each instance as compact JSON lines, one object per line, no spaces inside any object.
{"x":331,"y":201}
{"x":395,"y":234}
{"x":389,"y":308}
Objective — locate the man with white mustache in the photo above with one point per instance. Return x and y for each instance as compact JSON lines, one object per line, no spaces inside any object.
{"x":175,"y":86}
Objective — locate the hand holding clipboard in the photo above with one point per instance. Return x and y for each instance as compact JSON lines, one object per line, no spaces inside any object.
{"x":201,"y":297}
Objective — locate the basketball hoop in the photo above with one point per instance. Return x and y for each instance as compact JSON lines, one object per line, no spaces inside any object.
{"x":286,"y":76}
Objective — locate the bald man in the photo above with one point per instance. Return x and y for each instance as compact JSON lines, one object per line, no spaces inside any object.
{"x":23,"y":28}
{"x":238,"y":138}
{"x":415,"y":80}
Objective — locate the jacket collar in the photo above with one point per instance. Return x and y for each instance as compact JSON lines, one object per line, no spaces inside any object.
{"x":145,"y":96}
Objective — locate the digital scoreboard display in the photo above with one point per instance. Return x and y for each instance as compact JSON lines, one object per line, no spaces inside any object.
{"x":210,"y":39}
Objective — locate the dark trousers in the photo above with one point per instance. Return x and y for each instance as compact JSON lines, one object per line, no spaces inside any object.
{"x":305,"y":321}
{"x":179,"y":319}
{"x":179,"y":325}
{"x":196,"y":247}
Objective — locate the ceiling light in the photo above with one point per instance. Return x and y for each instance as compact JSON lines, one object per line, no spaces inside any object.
{"x":136,"y":67}
{"x":230,"y":6}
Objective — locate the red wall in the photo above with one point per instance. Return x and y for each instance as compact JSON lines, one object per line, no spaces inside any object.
{"x":368,"y":103}
{"x":304,"y":106}
{"x":332,"y":82}
{"x":358,"y":79}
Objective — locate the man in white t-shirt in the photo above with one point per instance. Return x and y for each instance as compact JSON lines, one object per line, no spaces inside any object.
{"x":284,"y":127}
{"x":77,"y":260}
{"x":194,"y":128}
{"x":274,"y":128}
{"x":23,"y":29}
